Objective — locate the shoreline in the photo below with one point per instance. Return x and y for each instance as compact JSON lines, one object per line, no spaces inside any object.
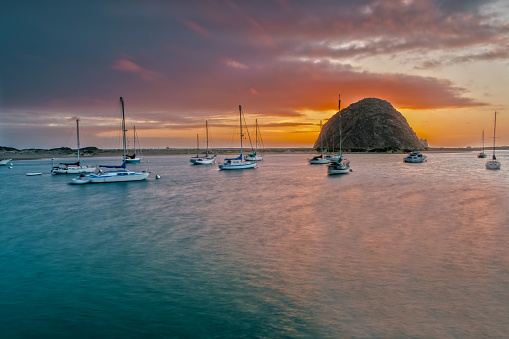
{"x":34,"y":154}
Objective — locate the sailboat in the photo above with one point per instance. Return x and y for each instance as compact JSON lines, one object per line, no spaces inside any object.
{"x":336,"y":157}
{"x":134,"y":158}
{"x":482,"y":154}
{"x":341,"y":165}
{"x":254,"y":156}
{"x":74,"y":167}
{"x":117,"y":173}
{"x":319,"y":159}
{"x":493,"y":164}
{"x":239,"y":162}
{"x":207,"y":159}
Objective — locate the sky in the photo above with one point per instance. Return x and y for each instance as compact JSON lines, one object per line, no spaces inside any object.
{"x":444,"y":64}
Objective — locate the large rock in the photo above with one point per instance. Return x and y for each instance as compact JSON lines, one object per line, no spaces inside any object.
{"x":370,"y":124}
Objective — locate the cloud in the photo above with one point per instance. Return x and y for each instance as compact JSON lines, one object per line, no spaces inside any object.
{"x":234,"y":64}
{"x":124,"y":65}
{"x":278,"y":59}
{"x":196,"y":27}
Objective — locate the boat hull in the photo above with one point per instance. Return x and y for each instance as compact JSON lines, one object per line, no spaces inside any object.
{"x":110,"y":176}
{"x":253,"y":158}
{"x":331,"y":171}
{"x":4,"y":162}
{"x":413,"y":161}
{"x":132,"y":161}
{"x":481,"y":155}
{"x":493,"y":165}
{"x":202,"y":161}
{"x":73,"y":170}
{"x":319,"y":161}
{"x":237,"y":166}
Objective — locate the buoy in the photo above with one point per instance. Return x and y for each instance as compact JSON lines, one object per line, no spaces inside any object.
{"x":10,"y":167}
{"x":158,"y":176}
{"x":351,"y":170}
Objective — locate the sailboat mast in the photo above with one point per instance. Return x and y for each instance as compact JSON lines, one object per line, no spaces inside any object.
{"x":240,"y":115}
{"x":123,"y":130}
{"x":207,"y":134}
{"x":483,"y":141}
{"x":134,"y":140}
{"x":256,"y":132}
{"x":321,"y":139}
{"x":197,"y":145}
{"x":494,"y":131}
{"x":339,"y":115}
{"x":78,"y":138}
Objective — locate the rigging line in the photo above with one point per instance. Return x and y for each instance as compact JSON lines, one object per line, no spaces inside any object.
{"x":249,"y":136}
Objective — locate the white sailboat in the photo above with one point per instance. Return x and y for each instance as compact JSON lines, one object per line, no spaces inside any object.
{"x":239,"y":162}
{"x":340,"y":165}
{"x":117,"y":173}
{"x":493,"y":164}
{"x":203,"y":160}
{"x":482,"y":154}
{"x":254,"y":156}
{"x":136,"y":157}
{"x":320,"y":159}
{"x":75,"y":167}
{"x":336,"y":157}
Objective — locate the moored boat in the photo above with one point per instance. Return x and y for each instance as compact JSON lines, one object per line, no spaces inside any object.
{"x":493,"y":164}
{"x":339,"y":165}
{"x":118,"y":173}
{"x":320,"y":159}
{"x":482,"y":154}
{"x":239,"y":162}
{"x":203,"y":160}
{"x":415,"y":157}
{"x":73,"y":167}
{"x":255,"y":156}
{"x":136,"y":156}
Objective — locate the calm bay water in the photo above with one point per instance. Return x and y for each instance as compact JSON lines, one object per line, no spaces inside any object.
{"x":391,"y":250}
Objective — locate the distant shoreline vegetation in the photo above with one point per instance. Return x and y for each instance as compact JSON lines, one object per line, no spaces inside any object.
{"x":91,"y":151}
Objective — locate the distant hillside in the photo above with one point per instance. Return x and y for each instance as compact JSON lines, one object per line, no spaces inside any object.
{"x":370,"y":124}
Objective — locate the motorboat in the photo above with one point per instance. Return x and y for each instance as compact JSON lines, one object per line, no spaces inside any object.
{"x":415,"y":157}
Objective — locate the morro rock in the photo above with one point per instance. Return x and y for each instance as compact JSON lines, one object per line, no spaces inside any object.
{"x":370,"y":124}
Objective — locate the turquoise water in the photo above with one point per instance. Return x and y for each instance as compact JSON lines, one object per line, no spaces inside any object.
{"x":391,"y":250}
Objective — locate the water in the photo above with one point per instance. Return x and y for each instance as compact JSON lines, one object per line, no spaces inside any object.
{"x":391,"y":250}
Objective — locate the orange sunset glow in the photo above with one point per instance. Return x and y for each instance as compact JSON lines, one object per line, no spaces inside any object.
{"x":442,"y":64}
